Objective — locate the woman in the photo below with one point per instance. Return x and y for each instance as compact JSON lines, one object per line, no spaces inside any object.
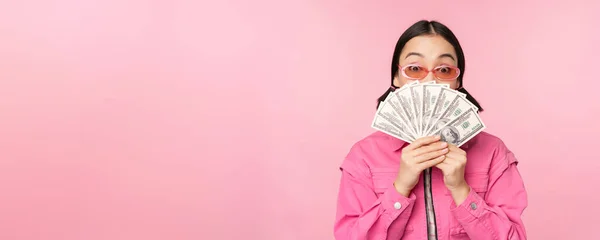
{"x":477,"y":190}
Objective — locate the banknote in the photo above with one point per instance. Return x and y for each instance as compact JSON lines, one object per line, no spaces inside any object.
{"x":457,"y":106}
{"x":416,"y":93}
{"x":442,"y":102}
{"x":424,"y":109}
{"x":431,"y":92}
{"x":390,"y":111}
{"x":404,"y":97}
{"x":386,"y":126}
{"x":401,"y":118}
{"x":462,"y":128}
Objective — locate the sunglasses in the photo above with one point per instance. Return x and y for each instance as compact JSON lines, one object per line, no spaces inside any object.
{"x":418,"y":72}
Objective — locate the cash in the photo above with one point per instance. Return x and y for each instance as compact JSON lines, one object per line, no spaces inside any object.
{"x":425,"y":109}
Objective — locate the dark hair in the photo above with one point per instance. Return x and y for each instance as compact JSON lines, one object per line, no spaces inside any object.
{"x":425,"y":27}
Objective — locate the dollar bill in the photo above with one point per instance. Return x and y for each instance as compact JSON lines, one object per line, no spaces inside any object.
{"x":462,"y":128}
{"x":402,"y":119}
{"x":416,"y":93}
{"x":431,"y":93}
{"x":383,"y":125}
{"x":444,"y":99}
{"x":458,"y":105}
{"x":404,"y":98}
{"x":389,"y":110}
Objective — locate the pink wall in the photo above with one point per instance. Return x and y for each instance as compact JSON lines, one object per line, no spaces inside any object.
{"x":185,"y":120}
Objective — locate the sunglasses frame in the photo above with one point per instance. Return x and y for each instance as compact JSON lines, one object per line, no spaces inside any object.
{"x":403,"y":68}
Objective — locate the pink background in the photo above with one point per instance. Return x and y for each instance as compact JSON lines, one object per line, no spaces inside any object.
{"x":185,"y":120}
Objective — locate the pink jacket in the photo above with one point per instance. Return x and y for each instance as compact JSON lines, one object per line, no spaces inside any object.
{"x":369,"y":207}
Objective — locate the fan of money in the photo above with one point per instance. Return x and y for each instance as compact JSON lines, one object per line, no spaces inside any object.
{"x":425,"y":109}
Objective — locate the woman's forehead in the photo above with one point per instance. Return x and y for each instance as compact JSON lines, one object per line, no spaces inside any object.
{"x":430,"y":47}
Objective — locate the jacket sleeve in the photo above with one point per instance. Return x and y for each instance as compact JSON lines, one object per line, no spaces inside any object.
{"x":498,"y":216}
{"x":361,"y":214}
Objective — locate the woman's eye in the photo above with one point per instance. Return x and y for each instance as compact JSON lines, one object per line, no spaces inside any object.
{"x":414,"y":68}
{"x":444,"y":69}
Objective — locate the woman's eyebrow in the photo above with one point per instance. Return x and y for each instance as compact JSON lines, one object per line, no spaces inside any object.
{"x":413,"y":53}
{"x":447,"y":55}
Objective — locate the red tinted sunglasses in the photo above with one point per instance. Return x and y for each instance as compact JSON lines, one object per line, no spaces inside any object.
{"x":418,"y":72}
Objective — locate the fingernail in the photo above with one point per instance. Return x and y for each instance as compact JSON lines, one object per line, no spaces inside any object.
{"x":444,"y":144}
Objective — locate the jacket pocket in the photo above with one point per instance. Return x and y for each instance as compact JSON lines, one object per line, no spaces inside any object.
{"x":383,"y":178}
{"x":477,"y":181}
{"x":458,"y":233}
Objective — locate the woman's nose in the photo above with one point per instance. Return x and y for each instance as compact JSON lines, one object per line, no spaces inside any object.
{"x":428,"y":78}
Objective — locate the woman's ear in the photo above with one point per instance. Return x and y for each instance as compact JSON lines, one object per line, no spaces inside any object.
{"x":396,"y":82}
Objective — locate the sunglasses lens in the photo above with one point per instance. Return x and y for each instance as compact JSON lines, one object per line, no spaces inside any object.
{"x":415,"y":72}
{"x":446,"y":73}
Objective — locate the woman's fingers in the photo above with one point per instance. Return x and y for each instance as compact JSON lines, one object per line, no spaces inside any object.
{"x":430,"y":148}
{"x":457,"y":154}
{"x":453,"y":155}
{"x":443,"y":165}
{"x":431,"y":155}
{"x":422,"y":142}
{"x":433,"y":162}
{"x":454,"y":148}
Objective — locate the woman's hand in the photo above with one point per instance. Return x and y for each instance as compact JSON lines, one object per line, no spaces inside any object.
{"x":423,"y":153}
{"x":453,"y":168}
